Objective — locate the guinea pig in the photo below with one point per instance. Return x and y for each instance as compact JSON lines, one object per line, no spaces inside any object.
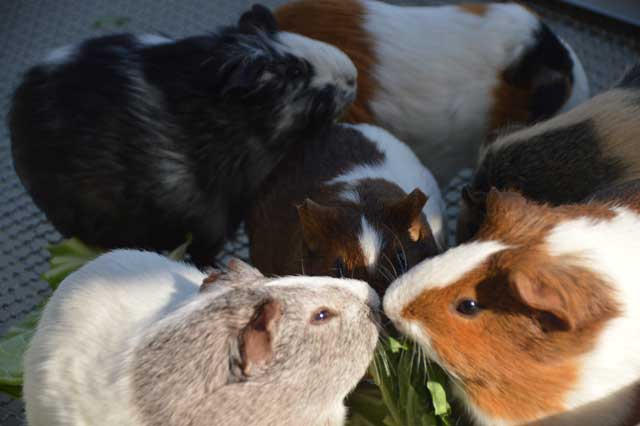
{"x":536,"y":319}
{"x":129,"y":340}
{"x":442,"y":78}
{"x":564,"y":159}
{"x":135,"y":141}
{"x":350,"y":202}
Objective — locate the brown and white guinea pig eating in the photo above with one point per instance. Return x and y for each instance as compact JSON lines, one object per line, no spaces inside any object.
{"x":564,"y":159}
{"x":354,"y":202}
{"x":441,"y":78}
{"x":536,"y":320}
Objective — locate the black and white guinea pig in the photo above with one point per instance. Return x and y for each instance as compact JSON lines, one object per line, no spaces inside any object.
{"x":135,"y":141}
{"x":564,"y":159}
{"x":442,"y":78}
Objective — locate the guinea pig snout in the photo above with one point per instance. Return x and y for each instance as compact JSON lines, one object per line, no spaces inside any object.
{"x":344,"y":98}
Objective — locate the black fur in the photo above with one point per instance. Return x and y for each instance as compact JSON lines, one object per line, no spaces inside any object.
{"x":618,"y":193}
{"x":546,"y":68}
{"x":131,"y":145}
{"x":631,"y":78}
{"x":561,"y":166}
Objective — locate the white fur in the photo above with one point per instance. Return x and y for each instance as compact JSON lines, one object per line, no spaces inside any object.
{"x":438,"y":272}
{"x":370,"y":243}
{"x":358,"y":288}
{"x":437,"y":67}
{"x":61,"y":55}
{"x":74,"y":349}
{"x":331,"y":65}
{"x":610,"y":248}
{"x":153,"y":39}
{"x":402,"y":167}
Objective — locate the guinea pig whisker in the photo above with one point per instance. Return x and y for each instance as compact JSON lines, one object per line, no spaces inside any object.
{"x":302,"y":264}
{"x":395,"y":272}
{"x":404,"y":266}
{"x":385,"y":274}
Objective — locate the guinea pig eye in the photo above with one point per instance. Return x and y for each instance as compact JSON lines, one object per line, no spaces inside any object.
{"x":339,"y":268}
{"x":294,"y":71}
{"x":321,"y":316}
{"x":468,"y":307}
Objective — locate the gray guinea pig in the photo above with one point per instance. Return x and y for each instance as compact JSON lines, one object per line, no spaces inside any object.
{"x":132,"y":339}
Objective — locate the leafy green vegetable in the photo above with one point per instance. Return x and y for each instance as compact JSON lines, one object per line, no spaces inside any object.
{"x":12,"y":348}
{"x":181,"y":251}
{"x":410,"y":391}
{"x":66,"y":257}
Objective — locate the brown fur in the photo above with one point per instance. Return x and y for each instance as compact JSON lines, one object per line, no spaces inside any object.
{"x":338,"y":22}
{"x":326,"y":230}
{"x":514,"y":220}
{"x":510,"y":105}
{"x":540,"y":313}
{"x":477,"y":9}
{"x":302,"y":224}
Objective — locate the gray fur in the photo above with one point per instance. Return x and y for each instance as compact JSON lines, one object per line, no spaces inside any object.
{"x":187,"y":370}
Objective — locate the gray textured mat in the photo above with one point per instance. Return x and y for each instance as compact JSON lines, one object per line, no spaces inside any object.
{"x":28,"y":28}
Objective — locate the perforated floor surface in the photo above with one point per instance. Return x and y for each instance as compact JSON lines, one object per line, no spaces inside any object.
{"x":28,"y":28}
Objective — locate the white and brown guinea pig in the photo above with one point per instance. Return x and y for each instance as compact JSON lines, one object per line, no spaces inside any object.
{"x":441,"y":78}
{"x":564,"y":159}
{"x":536,"y":321}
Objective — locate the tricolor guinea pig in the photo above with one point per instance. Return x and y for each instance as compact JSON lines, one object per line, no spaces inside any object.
{"x":564,"y":159}
{"x":135,"y":141}
{"x":353,"y":202}
{"x":536,"y":320}
{"x":131,"y":339}
{"x":442,"y":78}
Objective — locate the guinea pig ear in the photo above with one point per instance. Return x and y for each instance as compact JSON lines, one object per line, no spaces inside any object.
{"x":259,"y":18}
{"x":407,"y":214}
{"x":211,"y":279}
{"x":256,"y":339}
{"x":473,"y":209}
{"x":237,"y":274}
{"x":238,"y":267}
{"x":240,"y":75}
{"x":473,"y":199}
{"x":501,"y":202}
{"x":319,"y":223}
{"x":543,"y":295}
